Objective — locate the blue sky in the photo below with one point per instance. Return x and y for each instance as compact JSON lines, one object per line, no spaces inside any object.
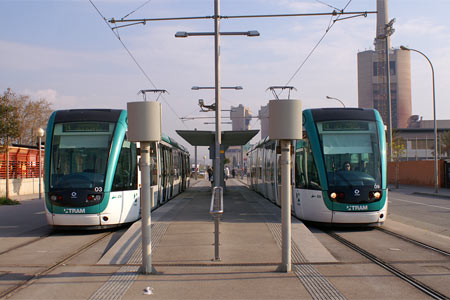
{"x":63,"y":51}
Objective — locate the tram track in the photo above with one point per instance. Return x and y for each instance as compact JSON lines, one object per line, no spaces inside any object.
{"x":47,"y":269}
{"x":46,"y":235}
{"x":390,"y":268}
{"x":413,"y":241}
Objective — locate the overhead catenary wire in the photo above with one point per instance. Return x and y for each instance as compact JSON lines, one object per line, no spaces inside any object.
{"x":321,"y":2}
{"x":116,"y":34}
{"x":330,"y":25}
{"x":141,"y":6}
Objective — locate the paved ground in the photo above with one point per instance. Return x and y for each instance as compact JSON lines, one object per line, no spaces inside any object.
{"x":182,"y":239}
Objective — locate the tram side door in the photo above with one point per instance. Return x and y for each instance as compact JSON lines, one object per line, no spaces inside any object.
{"x":171,"y":172}
{"x":183,"y":172}
{"x":163,"y":174}
{"x":307,"y":197}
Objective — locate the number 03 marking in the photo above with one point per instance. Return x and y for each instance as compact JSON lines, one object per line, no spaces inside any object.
{"x":98,"y":189}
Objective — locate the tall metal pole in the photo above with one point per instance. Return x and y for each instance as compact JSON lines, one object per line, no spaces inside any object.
{"x":146,"y":207}
{"x":388,"y":91}
{"x":241,"y":169}
{"x":195,"y":168}
{"x":436,"y":177}
{"x":40,"y":168}
{"x":218,"y":140}
{"x":286,"y":196}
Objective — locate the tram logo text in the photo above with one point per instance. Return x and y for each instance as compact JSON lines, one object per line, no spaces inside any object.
{"x":357,"y":207}
{"x":74,"y":210}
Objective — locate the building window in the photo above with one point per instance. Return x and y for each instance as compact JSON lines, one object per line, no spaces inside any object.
{"x":379,"y":68}
{"x":392,"y":67}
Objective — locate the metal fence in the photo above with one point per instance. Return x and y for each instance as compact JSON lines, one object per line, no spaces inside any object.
{"x":23,"y":163}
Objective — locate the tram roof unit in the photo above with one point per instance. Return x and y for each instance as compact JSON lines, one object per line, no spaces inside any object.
{"x":80,"y":115}
{"x":330,"y":114}
{"x":105,"y":115}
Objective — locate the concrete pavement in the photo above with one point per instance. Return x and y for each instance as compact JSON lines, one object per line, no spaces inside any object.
{"x":182,"y":240}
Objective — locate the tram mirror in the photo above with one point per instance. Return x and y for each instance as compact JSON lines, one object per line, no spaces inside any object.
{"x":300,"y":144}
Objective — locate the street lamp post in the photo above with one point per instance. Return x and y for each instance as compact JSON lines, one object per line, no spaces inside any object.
{"x":436,"y":178}
{"x":195,"y":167}
{"x":217,"y":34}
{"x":216,"y":105}
{"x":328,"y":97}
{"x":388,"y":31}
{"x":204,"y":164}
{"x":40,"y":133}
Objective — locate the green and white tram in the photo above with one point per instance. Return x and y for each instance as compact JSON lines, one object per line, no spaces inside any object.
{"x":338,"y":170}
{"x":92,"y":178}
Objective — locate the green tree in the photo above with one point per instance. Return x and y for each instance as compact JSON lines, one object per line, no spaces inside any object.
{"x":9,"y":127}
{"x":398,"y":150}
{"x":445,"y":143}
{"x":32,"y":115}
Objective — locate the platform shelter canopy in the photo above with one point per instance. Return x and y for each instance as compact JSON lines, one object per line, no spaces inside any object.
{"x":207,"y":138}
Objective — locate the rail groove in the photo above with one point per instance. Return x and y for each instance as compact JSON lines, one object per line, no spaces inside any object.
{"x":13,"y":290}
{"x":415,"y":242}
{"x":407,"y":278}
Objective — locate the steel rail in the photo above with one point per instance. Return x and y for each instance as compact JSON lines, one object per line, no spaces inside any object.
{"x":400,"y":274}
{"x":415,"y":242}
{"x":13,"y":290}
{"x":27,"y":243}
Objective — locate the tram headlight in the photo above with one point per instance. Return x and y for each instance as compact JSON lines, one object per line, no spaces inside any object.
{"x":375,"y":195}
{"x":335,"y":196}
{"x":53,"y":197}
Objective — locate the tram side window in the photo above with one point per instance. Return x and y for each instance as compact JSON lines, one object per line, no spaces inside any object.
{"x":300,"y":178}
{"x":126,"y":170}
{"x":153,"y":166}
{"x":306,"y":174}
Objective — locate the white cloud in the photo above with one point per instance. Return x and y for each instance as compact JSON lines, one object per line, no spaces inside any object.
{"x":57,"y":100}
{"x":423,"y":27}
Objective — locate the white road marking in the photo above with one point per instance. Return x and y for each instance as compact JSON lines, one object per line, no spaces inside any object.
{"x":395,"y":199}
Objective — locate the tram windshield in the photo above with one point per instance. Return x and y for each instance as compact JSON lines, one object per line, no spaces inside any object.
{"x":79,"y":154}
{"x":351,"y":152}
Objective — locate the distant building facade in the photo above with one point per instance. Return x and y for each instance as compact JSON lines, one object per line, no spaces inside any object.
{"x":240,"y":118}
{"x":263,"y":116}
{"x":372,"y":76}
{"x":418,"y":139}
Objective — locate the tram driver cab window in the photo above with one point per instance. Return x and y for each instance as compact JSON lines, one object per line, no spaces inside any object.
{"x":125,"y":177}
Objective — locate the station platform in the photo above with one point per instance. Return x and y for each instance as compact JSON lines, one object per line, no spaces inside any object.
{"x":250,"y":253}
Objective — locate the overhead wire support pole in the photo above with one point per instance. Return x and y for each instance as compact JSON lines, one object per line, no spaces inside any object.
{"x":218,"y":139}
